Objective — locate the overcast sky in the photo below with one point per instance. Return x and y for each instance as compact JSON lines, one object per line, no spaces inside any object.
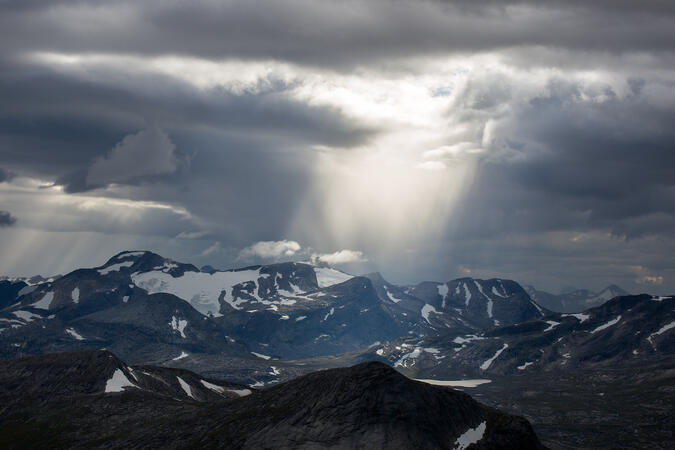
{"x":429,"y":140}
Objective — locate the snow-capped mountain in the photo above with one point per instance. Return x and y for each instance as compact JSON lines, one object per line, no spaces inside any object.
{"x":485,"y":303}
{"x":625,"y":330}
{"x":148,"y":308}
{"x":574,"y":300}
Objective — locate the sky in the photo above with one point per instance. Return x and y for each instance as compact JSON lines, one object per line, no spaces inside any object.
{"x":427,"y":140}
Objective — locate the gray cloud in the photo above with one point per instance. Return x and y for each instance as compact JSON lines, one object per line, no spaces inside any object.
{"x":573,"y":184}
{"x":149,"y":152}
{"x":335,"y":34}
{"x":6,"y":219}
{"x":5,"y":175}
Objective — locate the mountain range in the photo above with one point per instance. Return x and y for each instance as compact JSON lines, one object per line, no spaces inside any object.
{"x":264,"y":325}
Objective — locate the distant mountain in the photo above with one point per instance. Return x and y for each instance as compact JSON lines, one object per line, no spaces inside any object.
{"x":151,"y":309}
{"x":368,"y":405}
{"x":626,"y":330}
{"x":574,"y":300}
{"x":484,"y":303}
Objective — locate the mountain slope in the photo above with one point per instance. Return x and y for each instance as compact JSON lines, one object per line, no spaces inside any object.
{"x":485,"y":303}
{"x":625,"y":330}
{"x":151,"y":309}
{"x":365,"y":405}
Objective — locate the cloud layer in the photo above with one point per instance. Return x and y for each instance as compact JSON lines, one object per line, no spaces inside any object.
{"x":521,"y":139}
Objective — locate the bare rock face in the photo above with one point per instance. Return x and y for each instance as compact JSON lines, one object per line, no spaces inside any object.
{"x":66,"y":400}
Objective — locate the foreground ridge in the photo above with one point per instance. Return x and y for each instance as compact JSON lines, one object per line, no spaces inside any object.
{"x":58,"y":400}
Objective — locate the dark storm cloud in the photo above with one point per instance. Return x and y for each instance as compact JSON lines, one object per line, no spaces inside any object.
{"x":564,"y":163}
{"x":334,"y":33}
{"x":5,"y":175}
{"x":569,"y":162}
{"x":58,"y":126}
{"x":6,"y":219}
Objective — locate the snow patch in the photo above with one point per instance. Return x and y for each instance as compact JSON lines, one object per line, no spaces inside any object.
{"x":662,"y":330}
{"x":328,"y":314}
{"x":579,"y":316}
{"x":489,"y":306}
{"x":326,"y":276}
{"x":45,"y":302}
{"x":26,"y":316}
{"x":496,"y":292}
{"x":241,"y":392}
{"x":538,"y":308}
{"x":115,"y":267}
{"x":467,"y":338}
{"x":455,"y":383}
{"x":298,"y":319}
{"x":412,"y":355}
{"x":181,"y":356}
{"x":186,"y":387}
{"x":486,"y":365}
{"x":178,"y":325}
{"x":470,"y":436}
{"x":443,"y":292}
{"x":391,"y":296}
{"x":480,"y":288}
{"x":524,"y":366}
{"x":260,"y":355}
{"x":129,"y":255}
{"x":118,"y":382}
{"x":75,"y":295}
{"x":551,"y":325}
{"x":467,"y":295}
{"x":75,"y":334}
{"x":27,"y":290}
{"x":426,"y":309}
{"x":607,"y":325}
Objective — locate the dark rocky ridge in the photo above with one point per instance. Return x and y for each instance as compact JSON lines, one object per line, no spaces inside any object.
{"x":368,"y":405}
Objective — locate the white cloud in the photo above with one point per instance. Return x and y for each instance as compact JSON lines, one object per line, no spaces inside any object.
{"x":214,"y":248}
{"x":271,"y":249}
{"x":146,"y":153}
{"x":340,"y":257}
{"x":192,"y":234}
{"x":431,"y":165}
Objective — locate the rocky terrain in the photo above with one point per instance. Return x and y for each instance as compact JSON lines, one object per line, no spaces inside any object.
{"x":91,"y":399}
{"x":263,"y":326}
{"x":147,"y":308}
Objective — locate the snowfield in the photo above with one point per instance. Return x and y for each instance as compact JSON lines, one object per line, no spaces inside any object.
{"x":470,"y":436}
{"x":45,"y":302}
{"x":118,"y":382}
{"x":326,"y":276}
{"x":115,"y":267}
{"x":455,"y":383}
{"x":200,"y":289}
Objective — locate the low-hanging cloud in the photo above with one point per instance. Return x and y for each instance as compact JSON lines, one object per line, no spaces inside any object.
{"x":340,"y":257}
{"x":271,"y":249}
